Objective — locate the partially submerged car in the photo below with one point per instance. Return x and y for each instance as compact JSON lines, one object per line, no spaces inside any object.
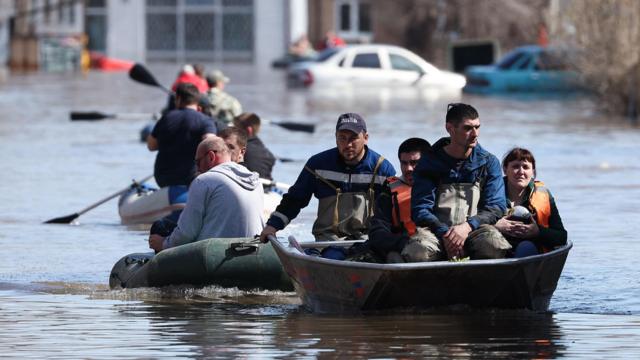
{"x":371,"y":66}
{"x":525,"y":69}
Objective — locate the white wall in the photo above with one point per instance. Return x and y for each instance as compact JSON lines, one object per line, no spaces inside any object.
{"x":298,"y":19}
{"x":125,"y":30}
{"x":269,"y":29}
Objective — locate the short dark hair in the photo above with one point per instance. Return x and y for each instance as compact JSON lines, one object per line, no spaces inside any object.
{"x":414,"y":144}
{"x":458,"y":112}
{"x":187,"y":93}
{"x":246,"y":120}
{"x":240,"y":134}
{"x":519,"y":154}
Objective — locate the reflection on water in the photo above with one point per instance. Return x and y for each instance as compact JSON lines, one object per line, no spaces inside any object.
{"x":208,"y":326}
{"x":53,"y":279}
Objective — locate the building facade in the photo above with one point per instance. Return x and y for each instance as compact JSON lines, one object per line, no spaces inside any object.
{"x":194,"y":30}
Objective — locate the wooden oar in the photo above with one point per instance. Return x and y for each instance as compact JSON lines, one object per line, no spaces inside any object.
{"x":97,"y":116}
{"x":69,"y":218}
{"x":140,"y":74}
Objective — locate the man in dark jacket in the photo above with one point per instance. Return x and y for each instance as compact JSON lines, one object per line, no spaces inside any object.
{"x":345,"y":180}
{"x":257,"y":157}
{"x":176,"y":137}
{"x":457,"y":189}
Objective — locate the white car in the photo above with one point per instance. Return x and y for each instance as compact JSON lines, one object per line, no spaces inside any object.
{"x":367,"y":66}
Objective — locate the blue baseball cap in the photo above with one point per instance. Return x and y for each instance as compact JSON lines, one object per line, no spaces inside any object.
{"x":352,"y":122}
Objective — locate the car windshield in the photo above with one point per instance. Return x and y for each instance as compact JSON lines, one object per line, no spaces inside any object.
{"x":327,"y":53}
{"x":507,"y":62}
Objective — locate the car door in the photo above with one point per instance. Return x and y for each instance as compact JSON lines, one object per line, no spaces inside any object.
{"x":548,"y":72}
{"x":518,"y":76}
{"x":365,"y":68}
{"x":404,"y":71}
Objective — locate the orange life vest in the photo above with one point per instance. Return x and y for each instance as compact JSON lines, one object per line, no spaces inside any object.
{"x":401,"y":200}
{"x":540,"y":204}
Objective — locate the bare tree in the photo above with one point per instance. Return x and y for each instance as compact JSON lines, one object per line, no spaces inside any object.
{"x":607,"y":36}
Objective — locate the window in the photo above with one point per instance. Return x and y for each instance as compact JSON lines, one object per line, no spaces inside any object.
{"x":326,"y":54}
{"x":353,"y":19}
{"x":510,"y":60}
{"x":95,"y":25}
{"x":369,"y":60}
{"x":399,"y":62}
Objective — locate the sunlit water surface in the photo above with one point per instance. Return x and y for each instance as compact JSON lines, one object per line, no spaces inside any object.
{"x":54,"y":297}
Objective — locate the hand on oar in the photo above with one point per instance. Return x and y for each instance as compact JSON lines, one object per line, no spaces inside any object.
{"x":69,"y":218}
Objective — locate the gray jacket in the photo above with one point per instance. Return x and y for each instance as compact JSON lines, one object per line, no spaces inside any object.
{"x":224,"y":202}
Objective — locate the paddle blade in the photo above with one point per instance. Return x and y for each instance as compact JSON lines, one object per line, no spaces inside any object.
{"x":89,"y":116}
{"x":63,"y":219}
{"x":140,"y":74}
{"x":293,"y":126}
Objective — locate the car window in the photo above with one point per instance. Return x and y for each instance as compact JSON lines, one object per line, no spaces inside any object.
{"x":399,"y":62}
{"x":507,"y":62}
{"x":524,"y":65}
{"x":550,"y":62}
{"x":327,"y":53}
{"x":366,"y":60}
{"x":341,"y":62}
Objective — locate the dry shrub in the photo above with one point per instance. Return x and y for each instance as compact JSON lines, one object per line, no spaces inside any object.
{"x":607,"y":36}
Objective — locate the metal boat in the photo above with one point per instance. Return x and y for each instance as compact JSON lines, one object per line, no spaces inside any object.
{"x":339,"y":286}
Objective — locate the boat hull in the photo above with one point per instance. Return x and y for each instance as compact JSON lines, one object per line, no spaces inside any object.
{"x":332,"y":286}
{"x":230,"y":262}
{"x":146,"y":205}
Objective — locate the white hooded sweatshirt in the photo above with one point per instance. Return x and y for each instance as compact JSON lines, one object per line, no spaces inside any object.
{"x":224,"y":202}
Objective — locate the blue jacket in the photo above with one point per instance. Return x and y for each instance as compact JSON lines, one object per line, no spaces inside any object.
{"x":330,"y":166}
{"x":436,"y":167}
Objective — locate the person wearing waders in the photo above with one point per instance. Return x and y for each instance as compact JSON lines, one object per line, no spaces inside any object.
{"x":458,"y":192}
{"x":345,"y":179}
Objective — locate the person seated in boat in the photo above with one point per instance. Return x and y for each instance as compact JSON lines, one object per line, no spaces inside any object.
{"x":457,"y":194}
{"x":345,"y":179}
{"x":236,"y":140}
{"x":257,"y":157}
{"x":533,"y":224}
{"x":225,"y":200}
{"x":176,"y":136}
{"x":391,"y":224}
{"x":189,"y":74}
{"x":223,"y":106}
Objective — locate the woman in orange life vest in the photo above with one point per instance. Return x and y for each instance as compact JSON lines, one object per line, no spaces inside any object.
{"x":546,"y":231}
{"x":391,"y":225}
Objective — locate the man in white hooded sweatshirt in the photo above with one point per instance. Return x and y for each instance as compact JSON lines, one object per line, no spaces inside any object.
{"x":225,"y":200}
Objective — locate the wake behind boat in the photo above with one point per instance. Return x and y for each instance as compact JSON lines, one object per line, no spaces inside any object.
{"x":335,"y":286}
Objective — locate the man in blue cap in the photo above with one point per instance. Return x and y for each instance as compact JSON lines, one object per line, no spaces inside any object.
{"x":345,"y":180}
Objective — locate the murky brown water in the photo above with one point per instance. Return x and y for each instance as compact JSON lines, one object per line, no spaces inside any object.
{"x":54,"y":298}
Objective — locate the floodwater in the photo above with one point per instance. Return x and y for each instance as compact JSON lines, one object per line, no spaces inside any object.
{"x":54,"y":297}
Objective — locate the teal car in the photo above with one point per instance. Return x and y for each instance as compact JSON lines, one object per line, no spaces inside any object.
{"x":525,"y":69}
